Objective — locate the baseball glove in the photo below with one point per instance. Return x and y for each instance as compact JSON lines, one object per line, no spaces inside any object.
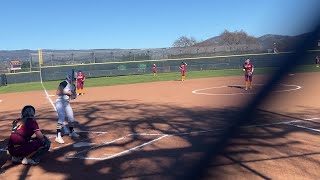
{"x":46,"y":142}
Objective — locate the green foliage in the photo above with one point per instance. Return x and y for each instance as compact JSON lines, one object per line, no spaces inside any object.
{"x":122,"y":67}
{"x":25,"y":65}
{"x":142,"y":66}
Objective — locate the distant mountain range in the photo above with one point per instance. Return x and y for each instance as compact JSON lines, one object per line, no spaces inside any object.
{"x":268,"y":41}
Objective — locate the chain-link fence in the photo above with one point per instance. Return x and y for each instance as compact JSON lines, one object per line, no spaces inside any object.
{"x":30,"y":59}
{"x":49,"y":73}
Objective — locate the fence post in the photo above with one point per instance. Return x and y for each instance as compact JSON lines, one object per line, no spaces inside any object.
{"x":30,"y":63}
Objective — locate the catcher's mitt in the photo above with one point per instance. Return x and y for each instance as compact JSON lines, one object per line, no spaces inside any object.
{"x":46,"y":142}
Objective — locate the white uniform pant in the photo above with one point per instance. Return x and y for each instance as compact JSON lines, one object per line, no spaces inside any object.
{"x":64,"y":109}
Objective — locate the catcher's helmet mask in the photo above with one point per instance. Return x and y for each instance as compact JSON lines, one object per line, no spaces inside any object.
{"x":25,"y":112}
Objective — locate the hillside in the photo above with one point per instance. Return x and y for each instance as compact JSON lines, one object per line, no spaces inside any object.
{"x":208,"y":47}
{"x":268,"y":41}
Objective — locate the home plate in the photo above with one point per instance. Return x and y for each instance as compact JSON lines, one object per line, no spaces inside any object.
{"x":82,"y":144}
{"x":0,"y":100}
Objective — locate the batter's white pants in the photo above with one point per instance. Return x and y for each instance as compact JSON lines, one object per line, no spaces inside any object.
{"x":64,"y":109}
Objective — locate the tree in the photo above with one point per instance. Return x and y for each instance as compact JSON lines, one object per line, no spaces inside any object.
{"x":184,"y":41}
{"x":236,"y":38}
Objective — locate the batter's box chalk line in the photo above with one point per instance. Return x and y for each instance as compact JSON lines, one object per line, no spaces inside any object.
{"x":77,"y":156}
{"x":74,"y":156}
{"x":69,"y":144}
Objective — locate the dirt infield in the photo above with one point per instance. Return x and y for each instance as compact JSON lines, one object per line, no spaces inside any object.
{"x":161,"y":131}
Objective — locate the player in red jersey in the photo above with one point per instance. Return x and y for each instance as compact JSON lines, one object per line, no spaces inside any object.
{"x":21,"y":146}
{"x":80,"y":83}
{"x":154,"y":70}
{"x":183,"y":68}
{"x":248,"y":69}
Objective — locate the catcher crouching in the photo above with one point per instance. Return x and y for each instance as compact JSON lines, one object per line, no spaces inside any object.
{"x":22,"y":146}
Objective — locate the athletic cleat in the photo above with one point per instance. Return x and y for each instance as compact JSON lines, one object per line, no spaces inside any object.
{"x":59,"y":140}
{"x":74,"y":134}
{"x":246,"y":89}
{"x":16,"y":160}
{"x":27,"y":161}
{"x":250,"y":87}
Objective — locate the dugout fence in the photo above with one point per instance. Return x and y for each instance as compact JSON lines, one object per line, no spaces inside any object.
{"x":3,"y":80}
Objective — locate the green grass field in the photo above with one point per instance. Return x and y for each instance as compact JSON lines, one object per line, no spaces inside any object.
{"x":120,"y":80}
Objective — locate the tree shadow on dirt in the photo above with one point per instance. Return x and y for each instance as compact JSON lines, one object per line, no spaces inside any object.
{"x":186,"y":135}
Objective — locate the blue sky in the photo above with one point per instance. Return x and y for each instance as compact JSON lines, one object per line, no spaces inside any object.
{"x":103,"y":24}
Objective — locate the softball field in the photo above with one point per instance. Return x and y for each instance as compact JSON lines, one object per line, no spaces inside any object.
{"x":160,"y":130}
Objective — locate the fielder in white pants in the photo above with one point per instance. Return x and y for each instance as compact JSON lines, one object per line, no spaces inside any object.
{"x":66,"y":91}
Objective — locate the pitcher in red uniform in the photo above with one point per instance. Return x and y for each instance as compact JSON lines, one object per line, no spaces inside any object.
{"x":154,"y":70}
{"x":183,"y":68}
{"x":248,"y":69}
{"x":80,"y":83}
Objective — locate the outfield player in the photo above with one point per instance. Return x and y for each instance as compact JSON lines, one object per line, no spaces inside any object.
{"x":80,"y":83}
{"x":248,"y":69}
{"x":154,"y":70}
{"x":21,"y":146}
{"x":183,"y":68}
{"x":317,"y":60}
{"x":66,"y":92}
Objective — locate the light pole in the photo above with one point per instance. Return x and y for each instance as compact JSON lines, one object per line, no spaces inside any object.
{"x":149,"y":55}
{"x":112,"y":54}
{"x":93,"y":57}
{"x":52,"y":59}
{"x":72,"y":57}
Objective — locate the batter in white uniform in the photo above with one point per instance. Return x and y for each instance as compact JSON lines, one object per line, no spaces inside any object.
{"x":66,"y":92}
